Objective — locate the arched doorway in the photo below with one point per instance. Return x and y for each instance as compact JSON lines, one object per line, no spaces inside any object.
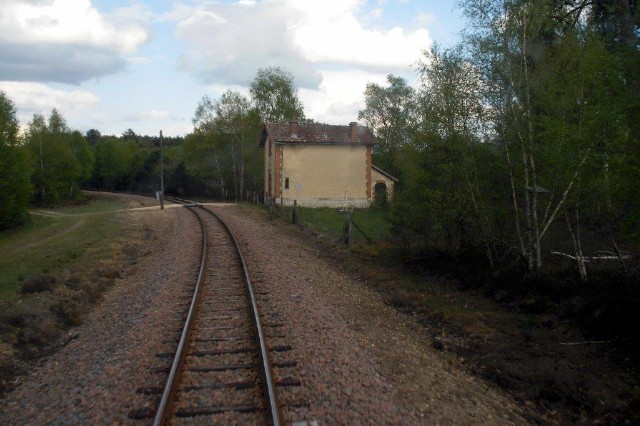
{"x":380,"y":193}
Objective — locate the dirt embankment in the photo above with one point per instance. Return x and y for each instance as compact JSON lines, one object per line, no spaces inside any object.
{"x":557,"y":371}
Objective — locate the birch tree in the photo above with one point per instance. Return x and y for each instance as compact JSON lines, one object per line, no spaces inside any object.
{"x":57,"y":171}
{"x":231,"y":125}
{"x":452,"y":110}
{"x":275,"y":95}
{"x":15,"y":186}
{"x":390,"y":111}
{"x":549,"y":89}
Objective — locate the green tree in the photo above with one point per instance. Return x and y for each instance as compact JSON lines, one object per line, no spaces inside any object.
{"x":15,"y":185}
{"x":236,"y":121}
{"x":556,"y":96}
{"x":275,"y":95}
{"x":57,"y":170}
{"x":390,"y":112}
{"x":202,"y":161}
{"x":83,"y":153}
{"x":452,"y":120}
{"x":117,"y":163}
{"x":581,"y":129}
{"x":232,"y":127}
{"x":93,"y":136}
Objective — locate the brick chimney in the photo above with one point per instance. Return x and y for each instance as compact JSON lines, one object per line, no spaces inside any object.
{"x":353,"y":134}
{"x":293,"y":127}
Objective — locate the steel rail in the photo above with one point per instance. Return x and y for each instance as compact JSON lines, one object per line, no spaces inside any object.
{"x":171,"y":387}
{"x":265,"y":365}
{"x":168,"y":395}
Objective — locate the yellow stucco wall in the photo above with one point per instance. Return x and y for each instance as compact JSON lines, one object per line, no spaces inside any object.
{"x":324,"y":172}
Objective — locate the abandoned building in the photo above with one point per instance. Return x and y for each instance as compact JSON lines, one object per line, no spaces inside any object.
{"x":321,"y":165}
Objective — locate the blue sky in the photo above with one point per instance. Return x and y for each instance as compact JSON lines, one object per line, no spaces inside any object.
{"x":114,"y":65}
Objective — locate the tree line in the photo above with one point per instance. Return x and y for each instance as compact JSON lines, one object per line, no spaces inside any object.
{"x":50,"y":163}
{"x":521,"y":143}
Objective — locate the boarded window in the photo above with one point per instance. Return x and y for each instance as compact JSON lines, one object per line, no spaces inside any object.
{"x":286,"y":183}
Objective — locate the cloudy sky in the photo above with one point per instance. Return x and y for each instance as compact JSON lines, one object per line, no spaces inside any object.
{"x":118,"y":64}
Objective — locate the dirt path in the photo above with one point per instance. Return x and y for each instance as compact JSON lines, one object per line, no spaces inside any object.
{"x":60,"y":234}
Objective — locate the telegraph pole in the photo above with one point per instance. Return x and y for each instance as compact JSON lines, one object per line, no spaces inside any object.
{"x":161,"y":174}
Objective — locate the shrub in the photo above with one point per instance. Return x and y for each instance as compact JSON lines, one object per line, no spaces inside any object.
{"x":38,"y":283}
{"x":89,"y":291}
{"x":68,"y":307}
{"x":74,"y":282}
{"x":22,"y":313}
{"x":41,"y":332}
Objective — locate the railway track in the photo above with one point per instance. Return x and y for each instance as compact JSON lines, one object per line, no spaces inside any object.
{"x":220,"y":371}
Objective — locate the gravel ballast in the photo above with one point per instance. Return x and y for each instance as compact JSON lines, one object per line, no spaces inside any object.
{"x":363,"y":361}
{"x":93,"y":379}
{"x":358,"y":360}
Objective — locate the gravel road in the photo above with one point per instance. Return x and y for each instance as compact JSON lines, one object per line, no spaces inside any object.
{"x":358,"y":360}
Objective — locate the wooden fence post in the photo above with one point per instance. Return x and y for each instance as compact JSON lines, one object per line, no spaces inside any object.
{"x":294,"y":213}
{"x":349,"y":229}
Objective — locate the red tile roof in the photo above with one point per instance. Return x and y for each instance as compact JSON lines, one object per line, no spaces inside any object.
{"x":317,"y":133}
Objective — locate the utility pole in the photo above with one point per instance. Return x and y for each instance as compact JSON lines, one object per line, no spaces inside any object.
{"x":161,"y":174}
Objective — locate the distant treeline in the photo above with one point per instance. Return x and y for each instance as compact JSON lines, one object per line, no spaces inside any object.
{"x":50,"y":163}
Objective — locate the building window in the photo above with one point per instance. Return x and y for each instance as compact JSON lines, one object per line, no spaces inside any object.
{"x":286,"y":183}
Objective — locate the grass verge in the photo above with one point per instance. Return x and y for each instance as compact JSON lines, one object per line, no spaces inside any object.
{"x":371,"y":224}
{"x":54,"y":270}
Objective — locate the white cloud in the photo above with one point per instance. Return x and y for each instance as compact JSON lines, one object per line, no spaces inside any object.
{"x":67,"y":41}
{"x":348,"y":43}
{"x":331,"y":31}
{"x":339,"y":97}
{"x":31,"y":98}
{"x":227,"y":43}
{"x":138,"y":60}
{"x":70,"y":22}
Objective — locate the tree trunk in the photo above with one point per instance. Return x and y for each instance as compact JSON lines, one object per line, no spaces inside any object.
{"x":242,"y":166}
{"x":577,"y":244}
{"x":235,"y":177}
{"x":516,"y":210}
{"x":531,"y":157}
{"x":223,"y":189}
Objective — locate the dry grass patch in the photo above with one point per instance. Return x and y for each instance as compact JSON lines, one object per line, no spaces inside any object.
{"x":51,"y":287}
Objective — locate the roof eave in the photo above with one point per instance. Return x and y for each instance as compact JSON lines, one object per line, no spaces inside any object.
{"x":303,"y":142}
{"x":379,"y":170}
